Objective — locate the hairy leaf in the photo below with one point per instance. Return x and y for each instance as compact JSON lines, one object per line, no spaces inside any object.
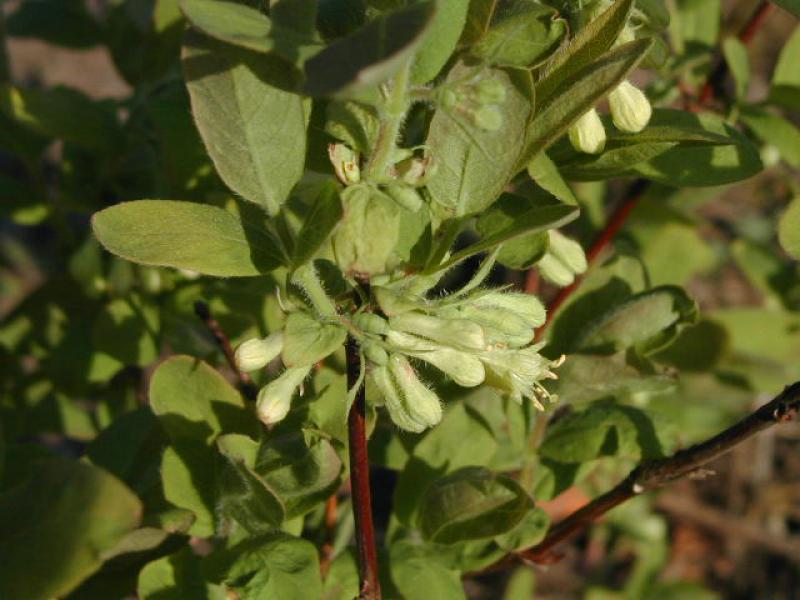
{"x":185,"y":235}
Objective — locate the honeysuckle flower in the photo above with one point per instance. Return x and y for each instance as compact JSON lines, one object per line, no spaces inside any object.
{"x":412,"y":406}
{"x":275,"y":399}
{"x":587,"y":134}
{"x":520,"y":372}
{"x":257,"y":353}
{"x":564,"y":260}
{"x":345,"y":163}
{"x":630,"y":108}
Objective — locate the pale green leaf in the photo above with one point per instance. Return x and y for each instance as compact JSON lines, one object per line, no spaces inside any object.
{"x":255,"y":133}
{"x":440,"y":41}
{"x":789,"y":229}
{"x":738,"y":61}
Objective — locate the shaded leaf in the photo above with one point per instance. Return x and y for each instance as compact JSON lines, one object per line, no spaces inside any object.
{"x":176,"y":577}
{"x":789,"y":229}
{"x":61,"y":22}
{"x":326,"y":212}
{"x":419,"y":573}
{"x":57,"y":526}
{"x":471,"y":503}
{"x":440,"y":41}
{"x":370,"y":55}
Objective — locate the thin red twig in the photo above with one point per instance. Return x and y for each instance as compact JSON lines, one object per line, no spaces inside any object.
{"x":359,"y":482}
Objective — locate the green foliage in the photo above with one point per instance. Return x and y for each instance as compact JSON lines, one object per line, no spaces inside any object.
{"x":319,"y":178}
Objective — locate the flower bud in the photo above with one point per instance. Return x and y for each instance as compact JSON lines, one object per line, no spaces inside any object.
{"x":463,"y":368}
{"x":256,"y":353}
{"x":456,"y":333}
{"x":275,"y":398}
{"x":416,"y":171}
{"x":374,"y":353}
{"x":630,"y":108}
{"x":371,"y":323}
{"x":587,"y":134}
{"x":564,"y":260}
{"x":528,"y":306}
{"x":345,"y":163}
{"x":411,"y":405}
{"x":405,"y":196}
{"x":501,"y":326}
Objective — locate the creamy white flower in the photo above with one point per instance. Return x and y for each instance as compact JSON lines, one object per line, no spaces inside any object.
{"x":257,"y":353}
{"x":275,"y":399}
{"x":630,"y":108}
{"x":587,"y":134}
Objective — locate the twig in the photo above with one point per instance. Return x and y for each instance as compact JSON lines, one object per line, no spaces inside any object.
{"x":717,"y":77}
{"x":359,"y":482}
{"x":653,"y":474}
{"x":203,"y":311}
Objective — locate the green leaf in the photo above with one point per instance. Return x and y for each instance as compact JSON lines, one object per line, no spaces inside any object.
{"x":584,"y":48}
{"x":61,"y":22}
{"x":789,"y":229}
{"x":523,"y":251}
{"x":57,"y":526}
{"x":254,"y":132}
{"x":306,"y":340}
{"x":738,"y":61}
{"x":604,"y":429}
{"x":370,"y":55}
{"x":440,"y":41}
{"x":520,"y":34}
{"x":575,"y":96}
{"x":625,"y":151}
{"x":195,"y":404}
{"x":249,"y":28}
{"x":302,"y":468}
{"x":473,"y":164}
{"x":785,"y":86}
{"x":775,"y":131}
{"x":528,"y":532}
{"x":64,"y":114}
{"x":244,"y":495}
{"x":547,"y":176}
{"x":270,"y":566}
{"x":326,"y":212}
{"x":185,"y":235}
{"x":704,"y":165}
{"x":648,"y":320}
{"x":510,"y":227}
{"x":420,"y":573}
{"x":176,"y":577}
{"x":471,"y":503}
{"x":699,"y":347}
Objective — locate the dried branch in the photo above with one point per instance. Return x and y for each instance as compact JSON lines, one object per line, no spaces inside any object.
{"x":203,"y":312}
{"x":653,"y":474}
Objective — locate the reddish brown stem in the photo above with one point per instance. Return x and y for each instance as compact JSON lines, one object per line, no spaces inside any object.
{"x":652,"y":474}
{"x":331,"y":510}
{"x":359,"y":482}
{"x":203,"y":311}
{"x":717,"y":76}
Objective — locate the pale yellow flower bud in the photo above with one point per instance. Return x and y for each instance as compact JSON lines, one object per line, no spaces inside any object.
{"x":587,"y":134}
{"x":275,"y":398}
{"x":256,"y":353}
{"x":630,"y":108}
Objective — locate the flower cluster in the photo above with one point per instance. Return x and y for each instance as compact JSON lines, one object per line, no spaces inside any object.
{"x":477,"y":336}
